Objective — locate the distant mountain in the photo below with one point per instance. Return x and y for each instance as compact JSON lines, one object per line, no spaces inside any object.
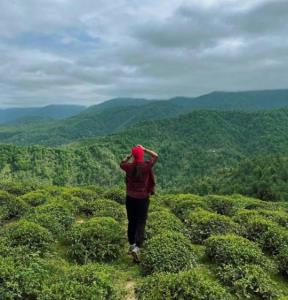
{"x":50,"y":111}
{"x":246,"y":101}
{"x":118,"y":102}
{"x":117,"y":114}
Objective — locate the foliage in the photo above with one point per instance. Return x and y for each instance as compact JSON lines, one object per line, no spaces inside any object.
{"x":224,"y":205}
{"x":248,"y":280}
{"x":192,"y":284}
{"x":99,"y":239}
{"x":30,"y":234}
{"x":55,"y":216}
{"x":182,"y":208}
{"x":270,"y":236}
{"x":167,"y":251}
{"x":282,"y":259}
{"x":90,"y":281}
{"x":104,"y":208}
{"x":35,"y":198}
{"x":233,"y":249}
{"x":162,"y":220}
{"x":201,"y":224}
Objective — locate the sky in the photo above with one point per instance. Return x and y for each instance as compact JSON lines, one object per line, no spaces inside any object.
{"x":85,"y":52}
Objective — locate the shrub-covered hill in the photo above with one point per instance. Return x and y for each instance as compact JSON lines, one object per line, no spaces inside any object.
{"x":70,"y":243}
{"x":261,"y":177}
{"x":190,"y":147}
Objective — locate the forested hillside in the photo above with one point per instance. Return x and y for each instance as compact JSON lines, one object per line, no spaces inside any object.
{"x":196,"y":145}
{"x":117,"y":114}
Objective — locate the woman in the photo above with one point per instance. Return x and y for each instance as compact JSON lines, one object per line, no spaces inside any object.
{"x":139,"y":186}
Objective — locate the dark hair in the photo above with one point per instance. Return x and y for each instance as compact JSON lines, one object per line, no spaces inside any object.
{"x":137,"y":171}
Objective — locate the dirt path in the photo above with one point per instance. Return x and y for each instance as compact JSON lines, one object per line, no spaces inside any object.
{"x":130,"y":290}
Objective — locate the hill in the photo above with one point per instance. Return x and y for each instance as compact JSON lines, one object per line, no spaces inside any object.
{"x":50,"y":111}
{"x":117,"y":114}
{"x":70,"y":243}
{"x":246,"y":100}
{"x":190,"y":146}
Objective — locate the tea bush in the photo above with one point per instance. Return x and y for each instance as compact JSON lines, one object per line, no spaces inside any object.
{"x":167,"y":251}
{"x":182,"y":208}
{"x":104,"y":208}
{"x":201,"y":224}
{"x":233,"y":249}
{"x":15,"y":207}
{"x":244,"y":215}
{"x":282,"y":259}
{"x":223,"y":205}
{"x":99,"y":239}
{"x":278,"y":216}
{"x":268,"y":234}
{"x":35,"y":198}
{"x":248,"y":281}
{"x":29,"y":234}
{"x":115,"y":194}
{"x":86,"y":282}
{"x":190,"y":284}
{"x":170,"y":200}
{"x":20,"y":281}
{"x":61,"y":213}
{"x":162,"y":220}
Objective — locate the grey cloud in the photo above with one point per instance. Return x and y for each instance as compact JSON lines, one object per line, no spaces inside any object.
{"x":89,"y":51}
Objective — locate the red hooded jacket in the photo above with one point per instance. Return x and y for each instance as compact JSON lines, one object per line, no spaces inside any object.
{"x":145,"y":185}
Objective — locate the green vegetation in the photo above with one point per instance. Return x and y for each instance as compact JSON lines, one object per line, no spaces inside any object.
{"x":70,"y":242}
{"x":99,"y":239}
{"x":167,"y":251}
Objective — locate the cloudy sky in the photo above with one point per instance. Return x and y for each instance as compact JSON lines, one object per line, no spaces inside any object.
{"x":87,"y":51}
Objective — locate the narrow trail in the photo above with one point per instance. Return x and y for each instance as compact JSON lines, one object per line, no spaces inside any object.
{"x":130,"y":285}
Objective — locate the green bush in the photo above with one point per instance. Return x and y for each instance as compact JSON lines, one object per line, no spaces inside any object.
{"x":115,"y":194}
{"x":256,"y":227}
{"x":223,"y":205}
{"x":47,"y":221}
{"x":19,"y":282}
{"x":274,"y":239}
{"x":268,"y":234}
{"x":62,"y":214}
{"x":278,"y":216}
{"x":170,"y":200}
{"x":248,"y":281}
{"x":17,"y":188}
{"x":29,"y":234}
{"x":104,"y":208}
{"x":167,"y":251}
{"x":82,"y":193}
{"x":182,"y":208}
{"x":282,"y":259}
{"x":233,"y":249}
{"x":244,"y":215}
{"x":201,"y":224}
{"x":186,"y":285}
{"x":86,"y":282}
{"x":99,"y":239}
{"x":15,"y":207}
{"x":163,"y":220}
{"x":35,"y":198}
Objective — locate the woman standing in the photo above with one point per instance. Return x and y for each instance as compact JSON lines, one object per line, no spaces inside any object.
{"x":139,"y":186}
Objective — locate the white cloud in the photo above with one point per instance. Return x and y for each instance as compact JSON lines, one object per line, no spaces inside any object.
{"x":71,"y":51}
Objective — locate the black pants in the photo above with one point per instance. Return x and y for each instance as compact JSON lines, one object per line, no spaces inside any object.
{"x":137,"y":211}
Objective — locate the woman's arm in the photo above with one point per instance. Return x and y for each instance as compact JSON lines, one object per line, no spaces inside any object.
{"x":151,"y":152}
{"x":127,"y":158}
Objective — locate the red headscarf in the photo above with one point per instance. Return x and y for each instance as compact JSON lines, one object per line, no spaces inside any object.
{"x":138,"y":153}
